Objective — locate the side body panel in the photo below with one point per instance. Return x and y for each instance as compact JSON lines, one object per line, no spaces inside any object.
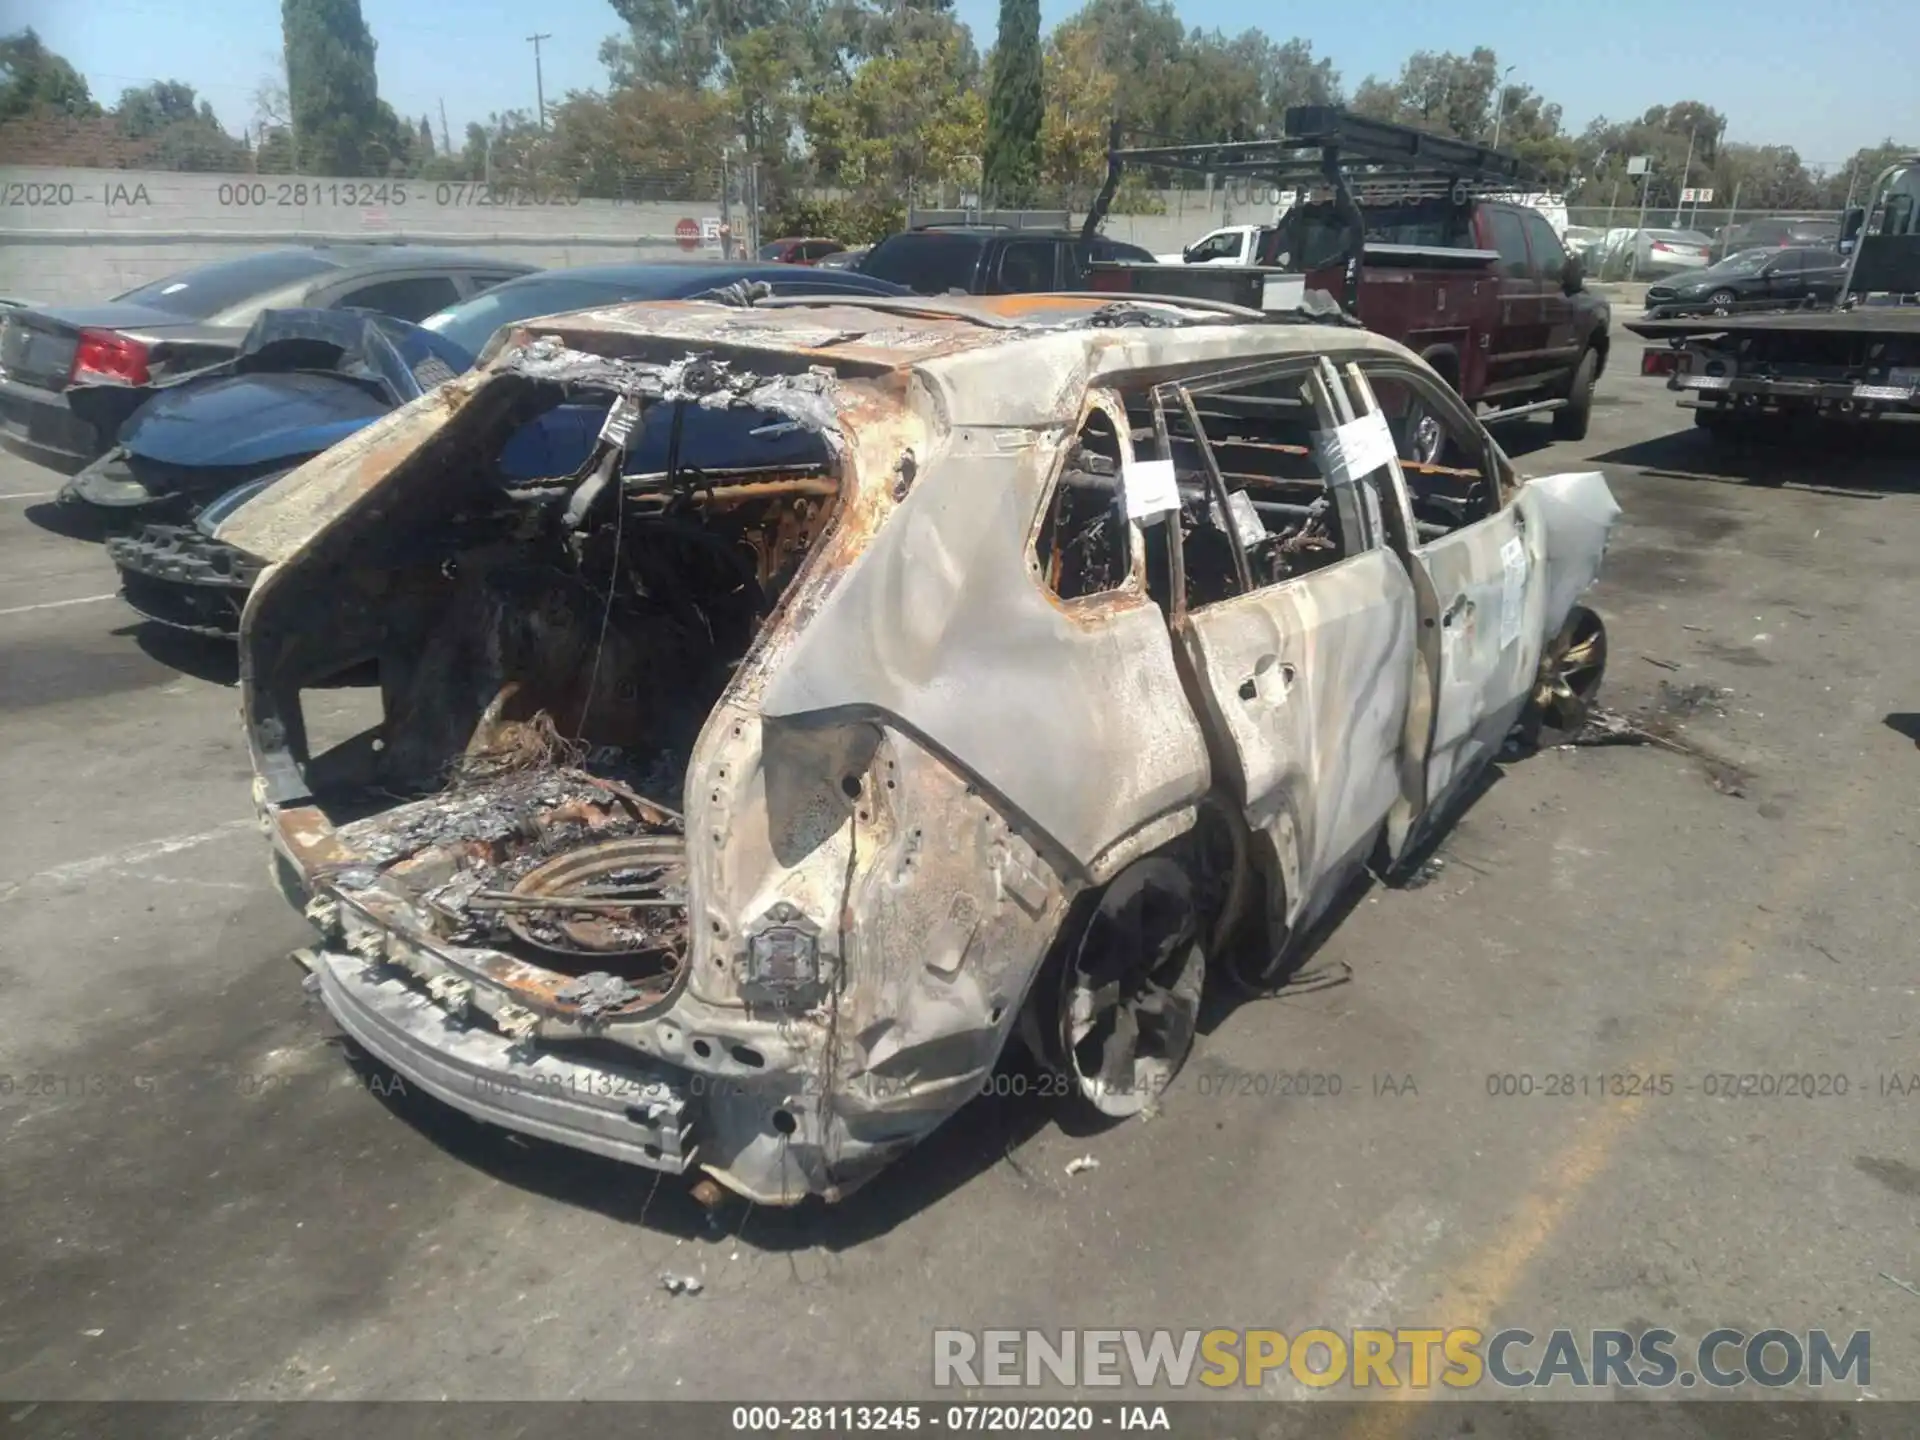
{"x":1073,"y":715}
{"x":1306,"y":686}
{"x":1491,"y":613}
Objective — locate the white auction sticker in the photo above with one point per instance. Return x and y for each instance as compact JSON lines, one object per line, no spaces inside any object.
{"x":1355,"y":449}
{"x":1513,"y":589}
{"x":1151,"y":488}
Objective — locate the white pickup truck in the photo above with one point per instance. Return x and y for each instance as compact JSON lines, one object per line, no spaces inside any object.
{"x":1229,"y":245}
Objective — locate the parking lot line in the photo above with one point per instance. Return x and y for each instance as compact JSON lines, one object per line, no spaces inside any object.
{"x":1478,"y":1289}
{"x":56,"y":604}
{"x":130,"y":856}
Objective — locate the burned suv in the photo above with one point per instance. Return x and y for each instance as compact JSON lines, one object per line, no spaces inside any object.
{"x":737,"y":819}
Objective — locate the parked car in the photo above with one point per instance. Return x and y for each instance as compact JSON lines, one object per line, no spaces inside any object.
{"x":1751,"y":279}
{"x":1588,"y":242}
{"x":198,"y":318}
{"x":305,"y":380}
{"x":741,"y":822}
{"x":988,"y":260}
{"x":1639,"y":254}
{"x":844,"y":259}
{"x":1776,"y":232}
{"x":797,"y":251}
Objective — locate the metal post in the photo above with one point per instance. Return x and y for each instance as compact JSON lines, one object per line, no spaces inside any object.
{"x":1499,"y":105}
{"x":539,"y":81}
{"x":753,"y":210}
{"x":1612,"y":200}
{"x":1733,"y":212}
{"x":726,"y":204}
{"x":1685,"y":175}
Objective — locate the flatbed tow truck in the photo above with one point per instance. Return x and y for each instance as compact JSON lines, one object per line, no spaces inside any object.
{"x":1413,"y":235}
{"x":1854,"y":361}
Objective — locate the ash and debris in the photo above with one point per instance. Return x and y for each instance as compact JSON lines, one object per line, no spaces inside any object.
{"x":597,"y":992}
{"x":810,"y":398}
{"x":516,"y":806}
{"x":1659,"y":725}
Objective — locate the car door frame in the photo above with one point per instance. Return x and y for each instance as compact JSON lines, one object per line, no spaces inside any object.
{"x":1300,"y":687}
{"x":1475,"y":693}
{"x":333,"y":295}
{"x":1560,"y":337}
{"x":1514,"y":359}
{"x":470,"y":284}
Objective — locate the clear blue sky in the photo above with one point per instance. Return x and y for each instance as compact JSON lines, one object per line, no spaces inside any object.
{"x":1784,"y":71}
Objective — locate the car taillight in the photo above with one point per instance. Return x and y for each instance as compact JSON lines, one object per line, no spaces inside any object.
{"x":1661,"y":245}
{"x":1659,"y":362}
{"x":109,"y":356}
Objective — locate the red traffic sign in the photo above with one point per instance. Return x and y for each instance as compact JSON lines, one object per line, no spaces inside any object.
{"x":687,"y":232}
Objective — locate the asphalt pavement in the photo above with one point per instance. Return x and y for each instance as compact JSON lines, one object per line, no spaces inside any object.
{"x":201,"y":1195}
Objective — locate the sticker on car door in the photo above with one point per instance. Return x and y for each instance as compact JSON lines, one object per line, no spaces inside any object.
{"x":1513,"y":589}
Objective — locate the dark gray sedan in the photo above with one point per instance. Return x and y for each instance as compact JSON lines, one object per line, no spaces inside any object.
{"x":1752,"y":280}
{"x":197,"y":318}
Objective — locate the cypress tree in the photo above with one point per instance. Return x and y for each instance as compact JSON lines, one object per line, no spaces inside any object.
{"x":331,"y":87}
{"x":1014,"y":106}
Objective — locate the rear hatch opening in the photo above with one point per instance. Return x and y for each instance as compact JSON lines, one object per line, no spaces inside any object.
{"x":544,"y":657}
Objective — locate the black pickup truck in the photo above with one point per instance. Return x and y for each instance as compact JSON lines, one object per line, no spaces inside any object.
{"x":993,"y":259}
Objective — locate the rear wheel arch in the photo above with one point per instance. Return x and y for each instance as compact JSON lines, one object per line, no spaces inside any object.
{"x":1445,"y":360}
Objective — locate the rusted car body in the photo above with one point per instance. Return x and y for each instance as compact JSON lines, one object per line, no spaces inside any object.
{"x":736,"y":821}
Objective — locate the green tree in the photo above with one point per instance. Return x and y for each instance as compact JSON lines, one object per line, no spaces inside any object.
{"x":147,"y":109}
{"x":1446,"y":93}
{"x":33,"y":78}
{"x":182,"y":130}
{"x":338,"y":120}
{"x":425,"y":143}
{"x":1015,"y":105}
{"x":904,"y":120}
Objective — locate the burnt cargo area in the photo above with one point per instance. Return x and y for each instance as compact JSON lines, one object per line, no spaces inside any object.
{"x":545,"y":656}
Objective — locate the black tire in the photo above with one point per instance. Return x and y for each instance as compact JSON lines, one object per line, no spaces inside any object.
{"x":1121,"y":1019}
{"x":1570,"y":422}
{"x":1714,"y":422}
{"x":1721,"y":301}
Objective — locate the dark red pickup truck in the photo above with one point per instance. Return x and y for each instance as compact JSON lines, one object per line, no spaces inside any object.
{"x":1483,"y":290}
{"x":1409,"y":233}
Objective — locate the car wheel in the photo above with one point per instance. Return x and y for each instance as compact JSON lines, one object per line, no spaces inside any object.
{"x":1721,"y":301}
{"x":1571,"y":671}
{"x":1571,"y":420}
{"x":1129,"y":989}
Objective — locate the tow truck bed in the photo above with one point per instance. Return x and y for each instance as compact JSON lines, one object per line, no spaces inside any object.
{"x":1861,"y":320}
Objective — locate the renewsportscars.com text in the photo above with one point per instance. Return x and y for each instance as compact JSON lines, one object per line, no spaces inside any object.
{"x":1459,"y":1358}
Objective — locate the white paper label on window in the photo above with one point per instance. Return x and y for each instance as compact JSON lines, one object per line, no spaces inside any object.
{"x":1513,"y":589}
{"x":1151,"y":488}
{"x":1356,"y":449}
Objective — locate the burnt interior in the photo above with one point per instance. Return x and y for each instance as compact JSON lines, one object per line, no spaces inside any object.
{"x":1284,"y":514}
{"x":546,"y":654}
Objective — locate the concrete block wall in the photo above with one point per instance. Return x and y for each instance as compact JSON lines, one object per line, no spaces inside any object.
{"x":78,"y":235}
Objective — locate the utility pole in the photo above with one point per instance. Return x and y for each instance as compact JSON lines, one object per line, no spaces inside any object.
{"x":446,"y":139}
{"x":1499,"y":104}
{"x":539,"y":82}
